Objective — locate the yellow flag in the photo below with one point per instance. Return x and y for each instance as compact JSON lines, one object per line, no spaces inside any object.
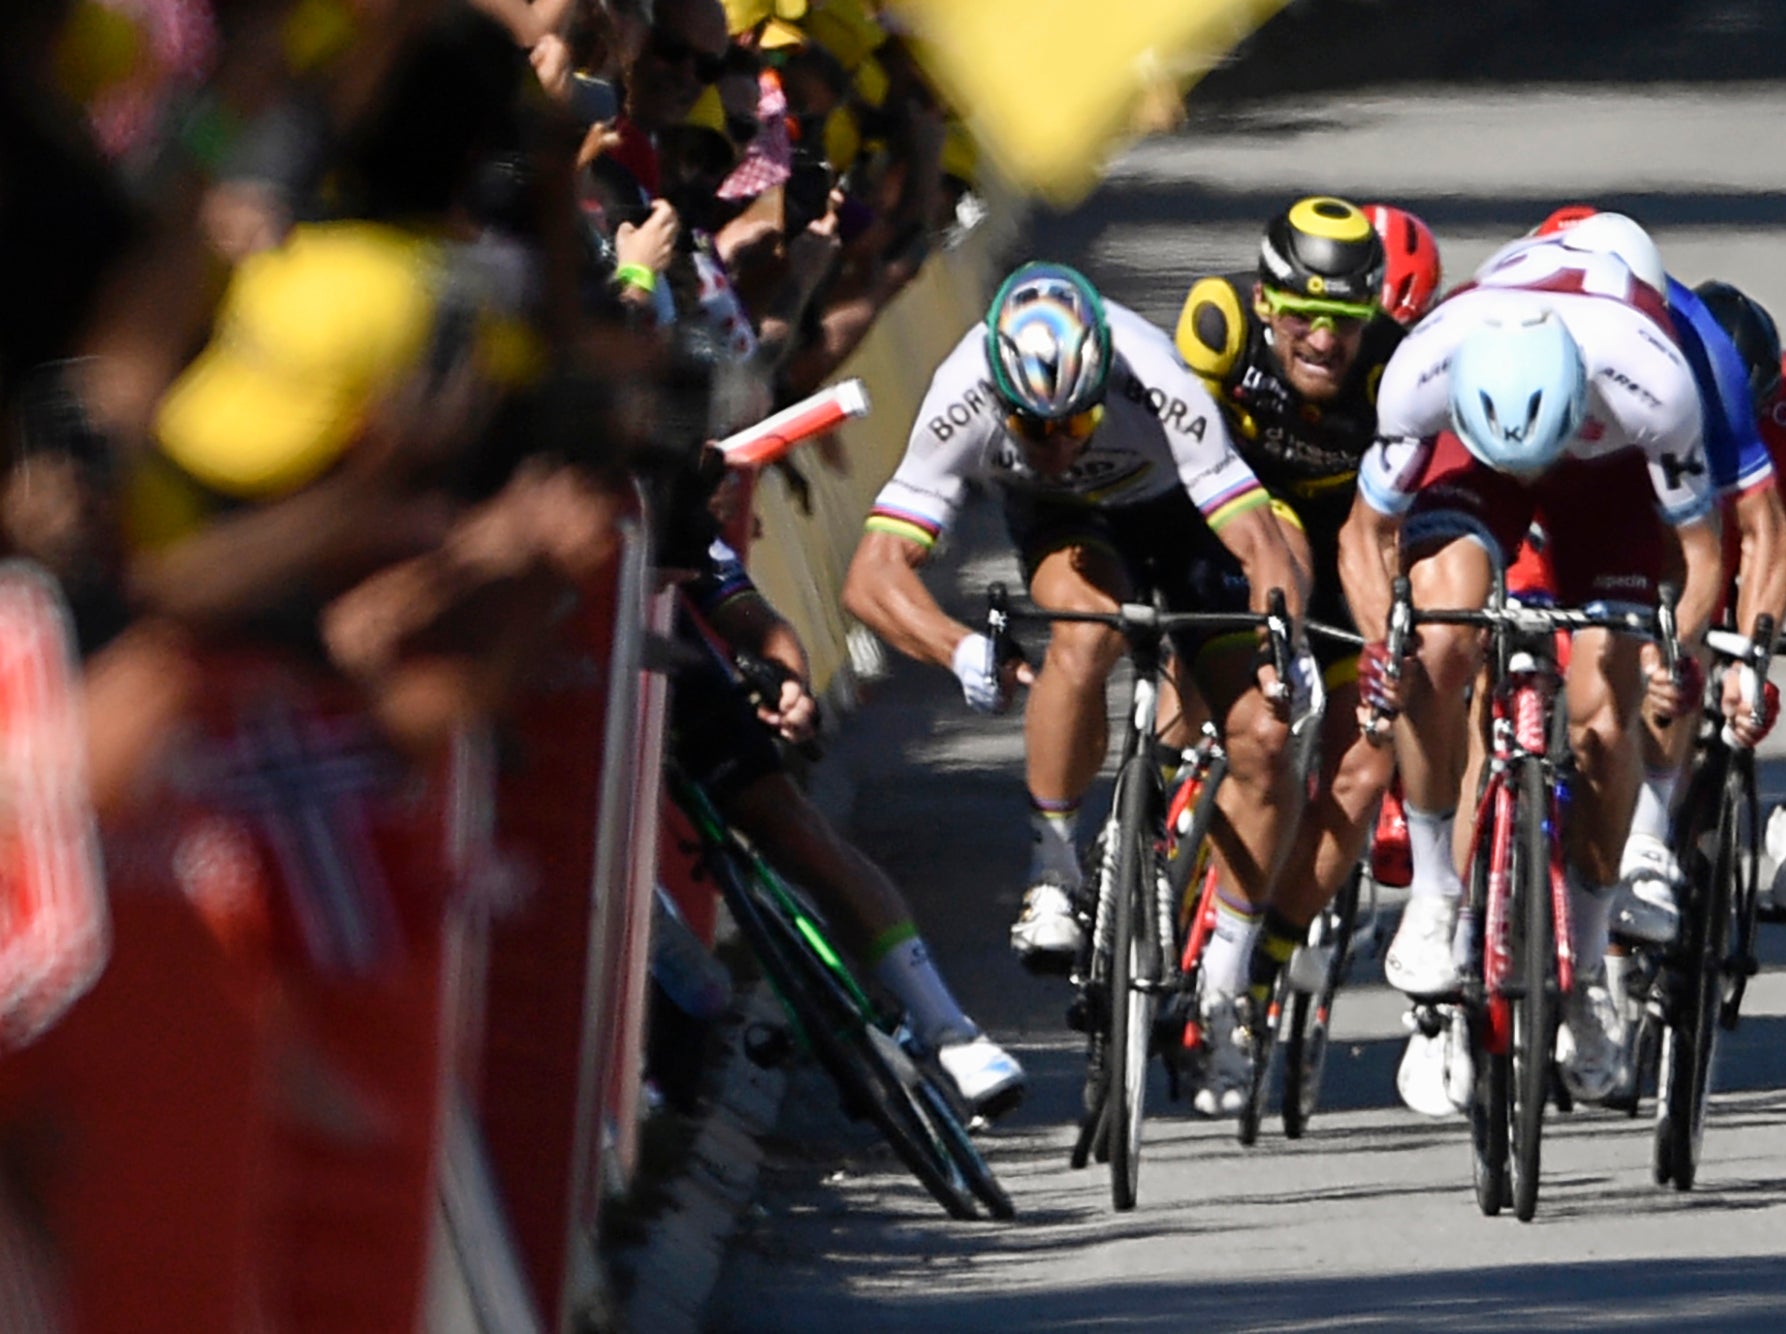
{"x":1051,"y":87}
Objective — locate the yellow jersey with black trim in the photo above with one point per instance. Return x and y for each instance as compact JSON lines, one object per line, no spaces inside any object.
{"x":1298,"y":448}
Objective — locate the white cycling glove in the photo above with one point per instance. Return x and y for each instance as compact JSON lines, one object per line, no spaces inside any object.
{"x":1308,"y":694}
{"x":978,"y":674}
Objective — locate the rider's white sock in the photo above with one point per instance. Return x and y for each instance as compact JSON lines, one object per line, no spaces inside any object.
{"x":902,"y":965}
{"x":1615,"y":977}
{"x":1654,"y":796}
{"x":1228,"y":954}
{"x":1429,"y":846}
{"x":1591,"y":908}
{"x":1053,"y":840}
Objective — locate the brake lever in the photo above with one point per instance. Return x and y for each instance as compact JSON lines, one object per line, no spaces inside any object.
{"x":1395,"y":643}
{"x":1667,"y":632}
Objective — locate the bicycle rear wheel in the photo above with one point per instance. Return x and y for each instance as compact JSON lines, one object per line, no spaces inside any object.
{"x":1689,"y":1042}
{"x":1534,"y":1029}
{"x":876,"y":1079}
{"x":1135,"y":973}
{"x":1305,"y":1041}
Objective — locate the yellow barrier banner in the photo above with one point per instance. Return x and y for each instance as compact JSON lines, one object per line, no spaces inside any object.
{"x":1051,"y":87}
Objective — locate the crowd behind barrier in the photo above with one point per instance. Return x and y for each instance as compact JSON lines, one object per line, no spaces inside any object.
{"x":355,"y":385}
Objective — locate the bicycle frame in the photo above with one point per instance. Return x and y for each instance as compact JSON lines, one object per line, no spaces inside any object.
{"x":1523,"y":708}
{"x":1527,"y":724}
{"x":713,"y":828}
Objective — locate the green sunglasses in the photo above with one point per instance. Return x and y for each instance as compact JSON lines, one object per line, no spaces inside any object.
{"x":1317,"y":312}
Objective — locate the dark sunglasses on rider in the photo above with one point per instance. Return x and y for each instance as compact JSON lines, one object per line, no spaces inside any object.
{"x":1038,"y":430}
{"x":673,"y":50}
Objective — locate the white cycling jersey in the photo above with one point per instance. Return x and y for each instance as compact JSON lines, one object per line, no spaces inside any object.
{"x":1160,"y":430}
{"x":1641,"y":391}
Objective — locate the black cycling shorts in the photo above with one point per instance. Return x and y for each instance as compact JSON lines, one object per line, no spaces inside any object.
{"x":1163,"y":544}
{"x":715,"y":733}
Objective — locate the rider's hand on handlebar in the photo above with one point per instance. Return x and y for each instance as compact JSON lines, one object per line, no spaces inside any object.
{"x":1738,"y":693}
{"x":796,"y":713}
{"x":988,"y":687}
{"x":1669,"y":697}
{"x":1379,"y":691}
{"x":1293,"y":700}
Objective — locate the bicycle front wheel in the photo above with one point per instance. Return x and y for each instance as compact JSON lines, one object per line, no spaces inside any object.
{"x":1135,"y":973}
{"x":1534,"y":1028}
{"x":1745,"y":904}
{"x":1691,"y":1038}
{"x":1490,"y":1094}
{"x":876,"y":1079}
{"x":1305,"y":1042}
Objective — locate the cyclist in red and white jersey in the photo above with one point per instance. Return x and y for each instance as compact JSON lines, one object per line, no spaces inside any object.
{"x":1549,"y":385}
{"x":1113,"y":464}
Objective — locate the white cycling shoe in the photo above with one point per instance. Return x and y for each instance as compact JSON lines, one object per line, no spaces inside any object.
{"x":987,"y":1076}
{"x":1420,"y":960}
{"x":1591,"y":1040}
{"x":1227,"y":1057}
{"x":1643,"y":902}
{"x":1436,"y":1071}
{"x":1047,"y":934}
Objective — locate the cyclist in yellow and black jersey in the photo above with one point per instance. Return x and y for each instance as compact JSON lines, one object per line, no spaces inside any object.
{"x":1293,"y":353}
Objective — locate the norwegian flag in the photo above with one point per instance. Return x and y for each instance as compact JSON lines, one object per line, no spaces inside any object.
{"x":306,"y":784}
{"x":54,"y":922}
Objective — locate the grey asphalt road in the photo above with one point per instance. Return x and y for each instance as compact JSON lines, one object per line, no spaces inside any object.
{"x":1369,"y":1221}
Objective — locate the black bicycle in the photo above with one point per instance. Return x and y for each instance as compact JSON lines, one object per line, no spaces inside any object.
{"x":1130,"y":964}
{"x":1290,"y":1045}
{"x":880,"y":1071}
{"x":1694,"y":986}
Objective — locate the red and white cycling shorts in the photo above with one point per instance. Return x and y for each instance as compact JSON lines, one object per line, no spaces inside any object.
{"x":1605,"y":541}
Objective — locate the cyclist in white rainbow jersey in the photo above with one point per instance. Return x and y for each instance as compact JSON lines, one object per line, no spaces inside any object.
{"x":1114,"y":467}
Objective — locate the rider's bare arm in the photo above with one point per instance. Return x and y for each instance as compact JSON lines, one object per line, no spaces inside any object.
{"x":1761,"y":519}
{"x":1703,"y":586}
{"x":749,"y":622}
{"x":1369,"y":560}
{"x":1257,"y":541}
{"x":884,"y":592}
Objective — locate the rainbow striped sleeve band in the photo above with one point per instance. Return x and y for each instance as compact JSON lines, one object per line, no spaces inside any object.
{"x":913,"y":527}
{"x":1235,"y":501}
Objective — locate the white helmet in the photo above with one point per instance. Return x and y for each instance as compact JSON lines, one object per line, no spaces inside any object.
{"x":1617,"y":235}
{"x":1518,"y":392}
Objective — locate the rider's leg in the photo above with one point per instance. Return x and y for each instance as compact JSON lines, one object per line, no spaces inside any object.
{"x":1431,"y":747}
{"x":1065,"y":728}
{"x":875,"y":923}
{"x":1603,"y":688}
{"x":872,"y":918}
{"x":1644,"y":904}
{"x":1256,"y":808}
{"x":1330,"y":836}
